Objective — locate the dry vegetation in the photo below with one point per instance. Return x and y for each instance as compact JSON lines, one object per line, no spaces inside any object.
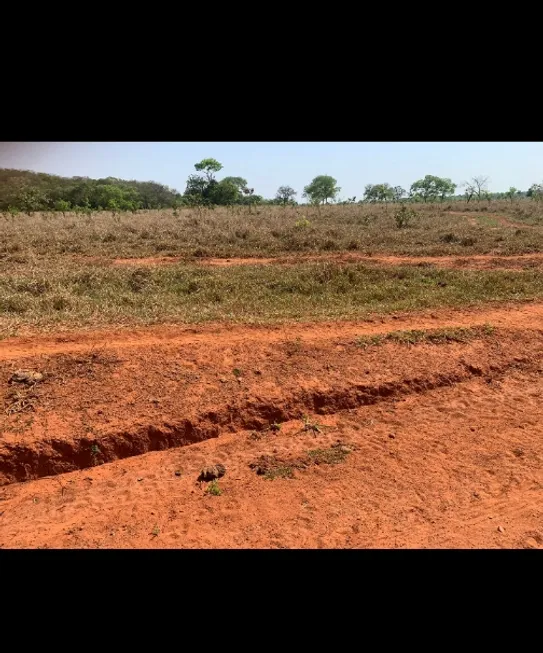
{"x":54,"y":271}
{"x":437,"y":229}
{"x":411,"y":430}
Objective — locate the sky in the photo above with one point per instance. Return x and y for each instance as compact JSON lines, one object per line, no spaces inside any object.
{"x":268,"y":165}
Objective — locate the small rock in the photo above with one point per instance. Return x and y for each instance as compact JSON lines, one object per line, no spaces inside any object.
{"x":391,"y":436}
{"x":472,"y":428}
{"x":140,"y":479}
{"x":258,"y":372}
{"x":26,"y":376}
{"x":178,"y":473}
{"x":212,"y":472}
{"x":223,"y":380}
{"x":501,"y":529}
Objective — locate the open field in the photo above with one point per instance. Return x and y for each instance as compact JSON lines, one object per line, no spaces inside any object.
{"x":450,"y":229}
{"x":362,"y":385}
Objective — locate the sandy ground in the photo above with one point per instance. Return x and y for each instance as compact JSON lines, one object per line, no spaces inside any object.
{"x":443,"y":442}
{"x":469,"y":262}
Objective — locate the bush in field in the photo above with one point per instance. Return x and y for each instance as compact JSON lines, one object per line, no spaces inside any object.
{"x":62,"y":205}
{"x":404,"y":216}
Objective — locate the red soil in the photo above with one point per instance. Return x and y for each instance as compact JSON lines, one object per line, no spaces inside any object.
{"x":446,"y":439}
{"x":471,"y":262}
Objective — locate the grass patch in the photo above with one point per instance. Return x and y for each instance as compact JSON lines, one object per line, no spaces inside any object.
{"x":332,"y":456}
{"x":487,"y":221}
{"x":271,"y":468}
{"x":430,"y":336}
{"x":104,"y":295}
{"x":281,"y":471}
{"x":214,"y":489}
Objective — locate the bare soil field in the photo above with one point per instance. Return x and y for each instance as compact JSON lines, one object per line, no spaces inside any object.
{"x":279,"y":377}
{"x":360,"y":442}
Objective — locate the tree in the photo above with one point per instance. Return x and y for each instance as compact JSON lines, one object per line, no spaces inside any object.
{"x":432,"y":187}
{"x":39,"y":191}
{"x":33,"y":199}
{"x":207,"y":190}
{"x":62,"y":205}
{"x":398,"y":193}
{"x":321,"y":189}
{"x":225,"y":192}
{"x":535,"y":192}
{"x":469,"y":192}
{"x":238,"y":182}
{"x":379,"y":193}
{"x":510,"y":194}
{"x":285,"y":195}
{"x":479,"y":186}
{"x":209,"y":166}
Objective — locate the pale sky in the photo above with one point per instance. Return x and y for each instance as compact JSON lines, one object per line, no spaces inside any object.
{"x":268,"y":165}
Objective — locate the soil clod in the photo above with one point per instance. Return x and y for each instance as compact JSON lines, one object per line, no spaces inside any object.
{"x":29,"y":377}
{"x":212,"y":472}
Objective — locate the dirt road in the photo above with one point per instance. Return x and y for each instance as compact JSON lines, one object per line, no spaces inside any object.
{"x":467,"y":262}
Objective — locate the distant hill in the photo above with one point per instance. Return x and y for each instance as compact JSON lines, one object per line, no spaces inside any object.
{"x":37,"y":191}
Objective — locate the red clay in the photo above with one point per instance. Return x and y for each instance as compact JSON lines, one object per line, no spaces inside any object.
{"x":446,"y":439}
{"x":511,"y":316}
{"x":470,"y":262}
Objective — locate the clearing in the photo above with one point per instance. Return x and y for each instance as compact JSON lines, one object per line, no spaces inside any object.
{"x":349,"y":383}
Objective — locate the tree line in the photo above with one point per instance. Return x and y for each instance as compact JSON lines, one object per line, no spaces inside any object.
{"x":28,"y":191}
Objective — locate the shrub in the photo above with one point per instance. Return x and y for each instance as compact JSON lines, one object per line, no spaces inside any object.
{"x":404,"y":216}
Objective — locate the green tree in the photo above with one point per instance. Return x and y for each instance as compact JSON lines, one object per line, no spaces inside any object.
{"x":62,"y":205}
{"x":535,"y":192}
{"x":432,"y":187}
{"x":209,"y":166}
{"x":225,"y":192}
{"x":511,"y":193}
{"x":33,"y":199}
{"x":285,"y":195}
{"x":379,"y":193}
{"x":321,"y":189}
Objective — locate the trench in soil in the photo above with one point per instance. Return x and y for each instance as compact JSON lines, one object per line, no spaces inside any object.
{"x":56,"y":456}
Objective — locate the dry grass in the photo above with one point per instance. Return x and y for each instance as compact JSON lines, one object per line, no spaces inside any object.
{"x":271,"y":231}
{"x":45,"y":282}
{"x":67,"y":295}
